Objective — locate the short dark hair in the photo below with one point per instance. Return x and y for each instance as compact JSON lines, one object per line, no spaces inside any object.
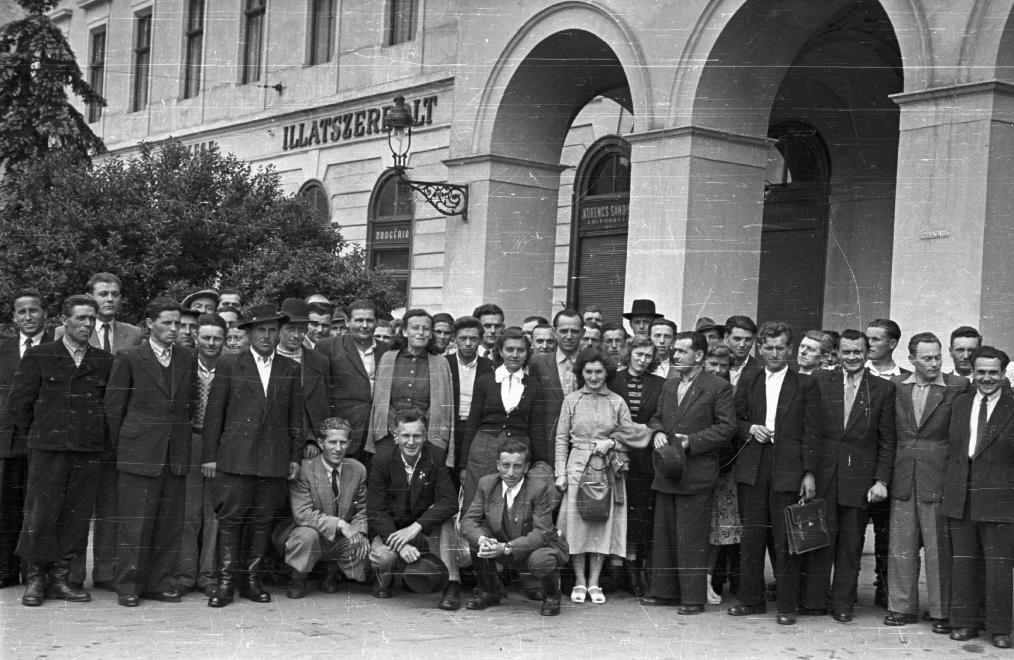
{"x":443,"y":317}
{"x":613,"y":327}
{"x":569,"y":313}
{"x":362,"y":303}
{"x":775,"y":329}
{"x":585,"y":357}
{"x":592,"y":325}
{"x":698,"y":341}
{"x":514,"y":446}
{"x":106,"y":278}
{"x":409,"y":415}
{"x":231,"y":292}
{"x":965,"y":332}
{"x":892,"y":329}
{"x":384,"y":323}
{"x":320,"y":308}
{"x":539,"y":320}
{"x":212,"y":319}
{"x":833,"y":336}
{"x":742,"y":322}
{"x":415,"y":313}
{"x":488,"y":308}
{"x":467,"y":322}
{"x":28,"y":293}
{"x":82,"y":299}
{"x":720,"y":351}
{"x":159,"y":305}
{"x":512,"y":332}
{"x":666,"y":322}
{"x":595,"y":309}
{"x":990,"y":353}
{"x":823,"y":338}
{"x":852,"y":335}
{"x":922,"y":338}
{"x":640,"y":341}
{"x":188,"y":311}
{"x":542,"y":326}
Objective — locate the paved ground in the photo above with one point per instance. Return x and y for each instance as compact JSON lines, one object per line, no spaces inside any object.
{"x":353,"y":624}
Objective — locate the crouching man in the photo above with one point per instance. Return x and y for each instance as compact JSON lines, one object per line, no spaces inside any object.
{"x":328,"y":499}
{"x":510,"y":521}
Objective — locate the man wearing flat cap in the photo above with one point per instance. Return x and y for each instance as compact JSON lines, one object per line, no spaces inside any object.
{"x":204,"y":301}
{"x":253,"y":442}
{"x":642,"y":313}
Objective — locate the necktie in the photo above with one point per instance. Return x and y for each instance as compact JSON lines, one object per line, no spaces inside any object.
{"x":28,"y":344}
{"x":980,"y":431}
{"x":850,"y":397}
{"x":105,"y":338}
{"x":334,"y":482}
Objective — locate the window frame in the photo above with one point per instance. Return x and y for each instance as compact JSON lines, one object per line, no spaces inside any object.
{"x":400,"y":23}
{"x":141,"y":84}
{"x":321,"y":13}
{"x":254,"y":22}
{"x":374,"y":220}
{"x":96,"y":68}
{"x":193,"y":48}
{"x":314,"y":185}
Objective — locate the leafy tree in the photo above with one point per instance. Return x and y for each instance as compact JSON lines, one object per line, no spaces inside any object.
{"x":37,"y":66}
{"x":169,"y":222}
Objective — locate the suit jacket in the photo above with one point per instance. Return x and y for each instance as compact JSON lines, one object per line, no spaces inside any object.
{"x":484,"y":366}
{"x":58,"y":405}
{"x":542,"y":369}
{"x":123,"y":336}
{"x":314,"y":504}
{"x":488,"y":414}
{"x":12,"y":443}
{"x":316,"y":389}
{"x":797,"y":429}
{"x":350,"y":393}
{"x":707,"y":415}
{"x":246,"y":432}
{"x":983,"y":485}
{"x":861,"y":451}
{"x":640,"y":459}
{"x":533,"y":510}
{"x":923,"y":445}
{"x":149,"y":418}
{"x":393,"y":503}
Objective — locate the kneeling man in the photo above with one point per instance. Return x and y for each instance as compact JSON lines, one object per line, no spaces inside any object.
{"x":510,"y":522}
{"x":328,"y":499}
{"x":408,"y":498}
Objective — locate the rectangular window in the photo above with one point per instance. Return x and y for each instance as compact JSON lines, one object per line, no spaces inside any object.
{"x":253,"y":39}
{"x":400,"y":21}
{"x":321,"y":31}
{"x":97,"y":70}
{"x":142,"y":61}
{"x":194,"y":49}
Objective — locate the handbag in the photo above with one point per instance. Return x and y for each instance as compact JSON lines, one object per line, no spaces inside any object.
{"x":594,"y":496}
{"x":805,"y":526}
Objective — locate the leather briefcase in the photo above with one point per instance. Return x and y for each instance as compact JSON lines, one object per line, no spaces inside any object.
{"x":805,"y":526}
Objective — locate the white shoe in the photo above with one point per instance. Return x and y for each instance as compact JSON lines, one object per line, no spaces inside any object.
{"x":713,"y":598}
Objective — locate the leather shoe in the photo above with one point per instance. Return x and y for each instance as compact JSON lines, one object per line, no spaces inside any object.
{"x":812,"y":611}
{"x":964,"y":634}
{"x":484,"y":599}
{"x":381,"y":592}
{"x":536,"y":594}
{"x":128,"y":600}
{"x":942,"y":626}
{"x":1001,"y":641}
{"x":167,"y":596}
{"x":690,"y":609}
{"x":786,"y":618}
{"x":842,"y":617}
{"x":550,"y":606}
{"x":900,"y":619}
{"x":746,"y":610}
{"x":451,"y":600}
{"x":297,"y":586}
{"x":658,"y":601}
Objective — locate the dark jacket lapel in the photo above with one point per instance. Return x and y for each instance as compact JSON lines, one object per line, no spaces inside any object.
{"x":422,"y":469}
{"x":997,"y":421}
{"x":496,"y":507}
{"x":352,"y":353}
{"x":933,"y":399}
{"x":250,"y":375}
{"x":786,"y":395}
{"x":861,"y":403}
{"x":152,"y":367}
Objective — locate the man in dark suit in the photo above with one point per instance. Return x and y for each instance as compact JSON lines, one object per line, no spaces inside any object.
{"x":56,"y":399}
{"x":922,"y":411}
{"x":408,"y":498}
{"x":856,"y":461}
{"x":466,"y":367}
{"x":979,"y":501}
{"x":778,"y":425}
{"x":29,"y":313}
{"x":740,"y":334}
{"x":328,"y":501}
{"x":319,"y":326}
{"x":353,"y":360}
{"x":554,"y":373}
{"x":149,"y":403}
{"x":510,"y":522}
{"x":253,"y":442}
{"x":696,"y":411}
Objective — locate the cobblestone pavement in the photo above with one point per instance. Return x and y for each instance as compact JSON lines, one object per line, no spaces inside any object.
{"x":353,"y":624}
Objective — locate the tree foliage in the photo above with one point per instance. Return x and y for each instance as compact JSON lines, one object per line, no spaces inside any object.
{"x":37,"y":66}
{"x":169,"y":222}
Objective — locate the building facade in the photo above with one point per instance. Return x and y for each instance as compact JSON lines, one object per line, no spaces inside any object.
{"x":826,"y":163}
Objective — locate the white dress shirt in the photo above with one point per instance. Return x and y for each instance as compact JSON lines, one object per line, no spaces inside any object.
{"x":369,"y":362}
{"x":772,"y":389}
{"x":263,"y":367}
{"x":23,"y":341}
{"x":511,"y":387}
{"x":509,"y":494}
{"x":466,"y":382}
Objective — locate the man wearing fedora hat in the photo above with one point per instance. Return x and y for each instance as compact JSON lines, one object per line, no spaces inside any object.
{"x":252,"y":443}
{"x":713,"y":332}
{"x":642,"y":313}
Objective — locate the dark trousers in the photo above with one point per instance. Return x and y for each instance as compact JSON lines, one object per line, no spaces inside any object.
{"x":248,"y":504}
{"x":104,"y":529}
{"x":149,"y":529}
{"x":762,"y":512}
{"x":846,"y":526}
{"x":880,"y":514}
{"x":13,"y":479}
{"x":540,"y":562}
{"x":975,"y":544}
{"x":679,"y":557}
{"x":59,"y":498}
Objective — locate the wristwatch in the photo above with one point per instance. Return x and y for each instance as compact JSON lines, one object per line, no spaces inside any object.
{"x":507,"y":549}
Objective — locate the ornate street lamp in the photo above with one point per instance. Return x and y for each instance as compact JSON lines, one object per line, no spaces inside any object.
{"x":446,"y":198}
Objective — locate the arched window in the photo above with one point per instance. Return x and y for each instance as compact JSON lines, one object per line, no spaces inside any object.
{"x":314,"y":192}
{"x":389,"y":235}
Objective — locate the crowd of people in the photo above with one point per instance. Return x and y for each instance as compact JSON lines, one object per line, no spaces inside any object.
{"x":218,"y":447}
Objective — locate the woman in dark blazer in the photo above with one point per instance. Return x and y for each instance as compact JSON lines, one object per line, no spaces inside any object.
{"x":490,"y":421}
{"x":640,"y":389}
